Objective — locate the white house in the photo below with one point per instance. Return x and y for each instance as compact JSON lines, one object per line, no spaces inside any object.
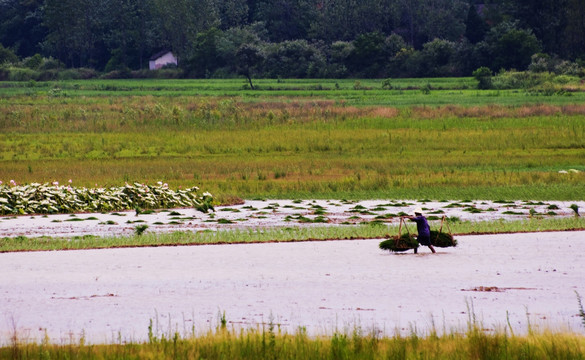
{"x":161,"y":59}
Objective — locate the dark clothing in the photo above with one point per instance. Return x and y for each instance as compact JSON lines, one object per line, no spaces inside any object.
{"x":424,"y":240}
{"x":424,"y":232}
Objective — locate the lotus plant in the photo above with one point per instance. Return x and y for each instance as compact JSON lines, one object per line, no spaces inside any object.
{"x":53,"y":198}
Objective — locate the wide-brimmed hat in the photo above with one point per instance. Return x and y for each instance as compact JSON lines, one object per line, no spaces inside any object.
{"x":418,"y":211}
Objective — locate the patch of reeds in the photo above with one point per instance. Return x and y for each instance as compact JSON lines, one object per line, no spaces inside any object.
{"x":269,"y":342}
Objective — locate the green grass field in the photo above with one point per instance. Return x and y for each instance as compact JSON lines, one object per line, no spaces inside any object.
{"x":293,"y":141}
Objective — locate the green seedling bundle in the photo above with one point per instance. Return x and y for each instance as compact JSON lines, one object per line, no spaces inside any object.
{"x":407,"y":241}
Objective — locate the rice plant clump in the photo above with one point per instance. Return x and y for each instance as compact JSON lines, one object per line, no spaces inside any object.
{"x":441,"y":239}
{"x":47,"y":198}
{"x":407,"y":242}
{"x":399,"y":243}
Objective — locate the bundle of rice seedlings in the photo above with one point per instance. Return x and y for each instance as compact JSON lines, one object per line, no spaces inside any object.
{"x":399,"y":243}
{"x":441,"y":239}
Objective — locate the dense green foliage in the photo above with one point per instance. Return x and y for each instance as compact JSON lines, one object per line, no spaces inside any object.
{"x":292,"y":38}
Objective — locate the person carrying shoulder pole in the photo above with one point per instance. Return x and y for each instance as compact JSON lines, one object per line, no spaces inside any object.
{"x":422,"y":226}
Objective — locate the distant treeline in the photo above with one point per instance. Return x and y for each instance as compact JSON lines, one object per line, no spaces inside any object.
{"x":295,"y":38}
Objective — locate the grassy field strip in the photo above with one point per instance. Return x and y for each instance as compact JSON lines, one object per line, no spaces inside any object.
{"x":405,"y":92}
{"x":279,"y":234}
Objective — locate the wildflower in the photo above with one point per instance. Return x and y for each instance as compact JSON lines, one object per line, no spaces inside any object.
{"x":70,"y":181}
{"x":12,"y":182}
{"x":56,"y":183}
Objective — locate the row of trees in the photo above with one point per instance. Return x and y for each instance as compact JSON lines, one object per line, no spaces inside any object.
{"x":296,"y":38}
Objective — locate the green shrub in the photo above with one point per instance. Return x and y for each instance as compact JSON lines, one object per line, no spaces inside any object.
{"x":520,"y":79}
{"x":34,"y":62}
{"x":77,"y":74}
{"x":117,"y":74}
{"x":7,"y":56}
{"x":51,"y":64}
{"x":22,"y":74}
{"x":484,"y":77}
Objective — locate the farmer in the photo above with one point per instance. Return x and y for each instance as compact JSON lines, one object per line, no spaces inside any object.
{"x":424,"y":232}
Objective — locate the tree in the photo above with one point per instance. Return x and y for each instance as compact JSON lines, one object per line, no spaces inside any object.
{"x":127,"y":33}
{"x":294,"y":59}
{"x":249,"y":59}
{"x":76,"y":31}
{"x":338,"y":54}
{"x":346,"y":19}
{"x":574,"y":33}
{"x":484,"y":77}
{"x":424,"y":20}
{"x":205,"y":57}
{"x":443,"y":19}
{"x":393,"y":44}
{"x":21,"y":25}
{"x":286,"y":19}
{"x":546,"y":19}
{"x":233,"y":13}
{"x":179,"y":21}
{"x":232,"y":39}
{"x":437,"y":56}
{"x":475,"y":26}
{"x":514,"y":49}
{"x":369,"y":57}
{"x":7,"y":56}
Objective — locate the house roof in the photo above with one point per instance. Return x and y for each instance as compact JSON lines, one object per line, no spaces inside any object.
{"x":159,"y":54}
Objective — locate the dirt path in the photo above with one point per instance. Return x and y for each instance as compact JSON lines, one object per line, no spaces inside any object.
{"x":326,"y":286}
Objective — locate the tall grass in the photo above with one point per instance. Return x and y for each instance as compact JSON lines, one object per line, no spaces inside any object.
{"x":282,"y":234}
{"x":269,"y":343}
